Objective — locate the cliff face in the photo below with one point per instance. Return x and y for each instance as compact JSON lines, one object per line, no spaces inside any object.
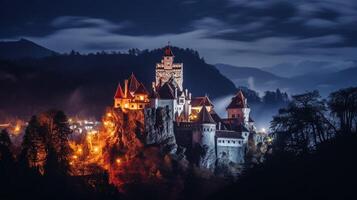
{"x":159,"y":129}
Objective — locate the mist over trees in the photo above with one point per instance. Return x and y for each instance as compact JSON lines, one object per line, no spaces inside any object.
{"x":312,"y":151}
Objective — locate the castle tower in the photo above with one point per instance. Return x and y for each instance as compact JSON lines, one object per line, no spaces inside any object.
{"x":239,"y":109}
{"x":204,"y":136}
{"x":167,"y":69}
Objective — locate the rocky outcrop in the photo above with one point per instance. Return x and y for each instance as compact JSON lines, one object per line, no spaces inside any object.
{"x":159,"y":129}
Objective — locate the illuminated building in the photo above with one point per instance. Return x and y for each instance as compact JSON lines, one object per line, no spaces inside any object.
{"x":167,"y":69}
{"x":133,"y":97}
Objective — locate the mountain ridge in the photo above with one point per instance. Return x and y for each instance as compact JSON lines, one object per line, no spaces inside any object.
{"x":23,"y":48}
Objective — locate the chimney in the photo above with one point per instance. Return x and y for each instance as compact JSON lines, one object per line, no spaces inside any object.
{"x":176,"y":93}
{"x":189,"y":95}
{"x":186,"y":92}
{"x":126,"y":88}
{"x":219,"y":125}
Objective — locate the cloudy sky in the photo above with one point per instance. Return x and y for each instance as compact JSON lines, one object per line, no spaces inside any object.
{"x":257,"y":33}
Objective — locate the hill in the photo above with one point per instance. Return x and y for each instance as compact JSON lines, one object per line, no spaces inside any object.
{"x":260,"y":80}
{"x":251,"y":77}
{"x":23,"y":49}
{"x":85,"y":84}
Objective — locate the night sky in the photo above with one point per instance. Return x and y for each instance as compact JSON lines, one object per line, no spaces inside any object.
{"x":240,"y":32}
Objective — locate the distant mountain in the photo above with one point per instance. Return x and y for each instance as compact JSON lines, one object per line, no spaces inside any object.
{"x":253,"y":78}
{"x":308,"y":67}
{"x":85,"y":84}
{"x":260,"y":80}
{"x":23,"y":49}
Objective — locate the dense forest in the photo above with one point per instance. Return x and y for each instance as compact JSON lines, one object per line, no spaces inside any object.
{"x":85,"y":84}
{"x":312,"y":157}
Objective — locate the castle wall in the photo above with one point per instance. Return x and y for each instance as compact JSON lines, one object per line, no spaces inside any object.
{"x":233,"y":153}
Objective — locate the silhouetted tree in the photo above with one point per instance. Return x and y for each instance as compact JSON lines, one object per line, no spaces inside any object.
{"x":343,"y":104}
{"x":302,"y":125}
{"x":6,"y":157}
{"x":55,"y":124}
{"x":33,"y":145}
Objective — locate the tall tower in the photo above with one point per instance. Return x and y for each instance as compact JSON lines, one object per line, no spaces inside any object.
{"x":167,"y":69}
{"x":239,"y":109}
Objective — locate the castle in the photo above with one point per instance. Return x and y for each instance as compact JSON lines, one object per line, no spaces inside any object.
{"x":197,"y":127}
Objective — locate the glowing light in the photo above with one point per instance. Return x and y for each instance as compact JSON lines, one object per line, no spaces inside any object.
{"x":118,"y":161}
{"x":141,"y":98}
{"x":95,"y":149}
{"x":126,"y":105}
{"x":263,"y":130}
{"x":17,"y":128}
{"x":74,"y":157}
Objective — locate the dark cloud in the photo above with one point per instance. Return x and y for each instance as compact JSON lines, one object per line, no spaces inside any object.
{"x":240,"y":32}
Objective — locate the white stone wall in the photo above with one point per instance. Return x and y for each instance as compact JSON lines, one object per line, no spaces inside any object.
{"x":166,"y":69}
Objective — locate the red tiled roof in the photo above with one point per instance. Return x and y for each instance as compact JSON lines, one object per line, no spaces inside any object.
{"x":119,"y":93}
{"x":238,"y":101}
{"x":201,"y":101}
{"x":168,"y":51}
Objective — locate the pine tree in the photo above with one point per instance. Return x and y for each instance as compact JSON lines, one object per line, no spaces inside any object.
{"x":33,"y":148}
{"x":6,"y":157}
{"x":60,"y":136}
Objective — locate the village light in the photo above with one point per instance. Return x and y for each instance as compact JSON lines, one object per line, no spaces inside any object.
{"x":118,"y":161}
{"x":95,"y":149}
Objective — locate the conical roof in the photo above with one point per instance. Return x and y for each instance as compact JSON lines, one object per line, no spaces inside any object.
{"x":204,"y":117}
{"x":119,"y":93}
{"x":141,"y":90}
{"x":133,"y":83}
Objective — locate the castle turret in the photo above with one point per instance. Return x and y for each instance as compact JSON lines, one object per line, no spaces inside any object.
{"x":239,"y":109}
{"x":204,"y":138}
{"x":206,"y":129}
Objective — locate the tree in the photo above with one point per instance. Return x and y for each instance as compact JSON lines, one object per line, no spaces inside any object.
{"x":33,"y":145}
{"x":302,"y":124}
{"x":343,"y":104}
{"x":60,"y":140}
{"x":6,"y":157}
{"x":56,"y":140}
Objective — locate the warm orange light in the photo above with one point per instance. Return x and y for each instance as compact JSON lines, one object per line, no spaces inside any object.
{"x":74,"y":157}
{"x":95,"y":149}
{"x":118,"y":161}
{"x":141,"y":98}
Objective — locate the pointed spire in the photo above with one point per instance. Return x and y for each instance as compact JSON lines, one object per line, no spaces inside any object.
{"x":205,"y":117}
{"x":141,"y":90}
{"x":133,"y":83}
{"x":119,"y":93}
{"x":168,"y":51}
